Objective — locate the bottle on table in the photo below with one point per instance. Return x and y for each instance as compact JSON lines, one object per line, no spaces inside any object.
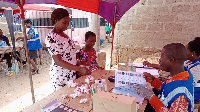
{"x":104,"y":85}
{"x":100,"y":86}
{"x":94,"y":90}
{"x":130,"y":63}
{"x":96,"y":85}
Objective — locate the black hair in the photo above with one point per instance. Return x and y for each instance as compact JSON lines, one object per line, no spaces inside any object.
{"x":88,"y":34}
{"x":177,"y":51}
{"x":58,"y":14}
{"x":194,"y":45}
{"x":28,"y":21}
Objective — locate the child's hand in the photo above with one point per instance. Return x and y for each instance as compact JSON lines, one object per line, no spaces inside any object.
{"x":78,"y":63}
{"x":84,"y":71}
{"x":100,"y":68}
{"x":149,"y":78}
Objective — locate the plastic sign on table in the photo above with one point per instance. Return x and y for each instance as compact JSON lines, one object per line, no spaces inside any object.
{"x":124,"y":80}
{"x":128,"y":78}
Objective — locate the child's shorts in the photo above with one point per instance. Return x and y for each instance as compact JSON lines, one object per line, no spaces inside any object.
{"x":33,"y":54}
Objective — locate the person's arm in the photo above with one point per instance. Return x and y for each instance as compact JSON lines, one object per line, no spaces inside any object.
{"x":77,"y":54}
{"x":29,"y":36}
{"x":179,"y":105}
{"x":20,"y":38}
{"x":58,"y":60}
{"x":146,"y":63}
{"x":7,"y":41}
{"x":2,"y":55}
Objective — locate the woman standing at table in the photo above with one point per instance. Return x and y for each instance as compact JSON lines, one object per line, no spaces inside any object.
{"x":62,"y":50}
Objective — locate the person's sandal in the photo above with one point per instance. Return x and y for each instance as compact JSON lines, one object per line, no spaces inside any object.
{"x":10,"y":73}
{"x":35,"y":71}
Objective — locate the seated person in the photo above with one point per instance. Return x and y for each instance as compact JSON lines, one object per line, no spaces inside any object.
{"x":87,"y":55}
{"x":192,"y":63}
{"x":6,"y":56}
{"x":5,"y":39}
{"x":176,"y":93}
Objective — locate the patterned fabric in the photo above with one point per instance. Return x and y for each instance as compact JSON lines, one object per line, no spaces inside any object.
{"x":57,"y":44}
{"x":194,"y":68}
{"x":34,"y":42}
{"x":180,"y":104}
{"x":88,"y":58}
{"x":2,"y":43}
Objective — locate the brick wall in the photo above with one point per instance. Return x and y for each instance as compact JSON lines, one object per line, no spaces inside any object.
{"x":151,"y":24}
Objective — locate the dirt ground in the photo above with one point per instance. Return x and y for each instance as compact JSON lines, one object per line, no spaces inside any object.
{"x":15,"y":91}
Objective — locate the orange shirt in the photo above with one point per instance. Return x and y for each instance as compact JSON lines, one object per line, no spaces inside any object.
{"x":179,"y":104}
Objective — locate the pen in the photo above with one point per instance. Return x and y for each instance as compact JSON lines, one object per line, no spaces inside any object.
{"x":145,"y":60}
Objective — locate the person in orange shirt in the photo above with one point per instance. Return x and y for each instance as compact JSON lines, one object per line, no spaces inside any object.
{"x":177,"y":92}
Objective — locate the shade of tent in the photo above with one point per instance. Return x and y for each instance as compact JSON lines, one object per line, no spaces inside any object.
{"x":111,"y":10}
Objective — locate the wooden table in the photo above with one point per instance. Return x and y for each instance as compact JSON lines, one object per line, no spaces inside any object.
{"x":8,"y":49}
{"x":74,"y":103}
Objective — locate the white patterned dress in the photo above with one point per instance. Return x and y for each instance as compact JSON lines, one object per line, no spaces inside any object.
{"x":57,"y":44}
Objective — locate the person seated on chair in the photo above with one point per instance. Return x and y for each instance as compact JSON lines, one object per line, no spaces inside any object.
{"x":177,"y":92}
{"x":5,"y":56}
{"x":5,"y":39}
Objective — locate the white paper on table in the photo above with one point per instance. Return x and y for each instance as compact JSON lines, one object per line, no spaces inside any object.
{"x":49,"y":107}
{"x":152,"y":71}
{"x":130,"y":91}
{"x":128,"y":78}
{"x":138,"y":65}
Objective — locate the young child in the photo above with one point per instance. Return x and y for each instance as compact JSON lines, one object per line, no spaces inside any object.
{"x":87,"y":55}
{"x":177,"y":92}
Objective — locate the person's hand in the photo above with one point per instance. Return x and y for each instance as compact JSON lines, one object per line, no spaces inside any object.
{"x":146,"y":63}
{"x":78,"y":63}
{"x":84,"y":71}
{"x":144,"y":92}
{"x":149,"y":78}
{"x":100,"y":68}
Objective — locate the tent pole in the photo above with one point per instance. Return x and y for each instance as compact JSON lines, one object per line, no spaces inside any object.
{"x":20,"y":3}
{"x":28,"y":60}
{"x":113,"y":29}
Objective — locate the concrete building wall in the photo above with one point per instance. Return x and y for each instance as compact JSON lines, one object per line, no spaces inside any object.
{"x":4,"y":26}
{"x":151,"y":24}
